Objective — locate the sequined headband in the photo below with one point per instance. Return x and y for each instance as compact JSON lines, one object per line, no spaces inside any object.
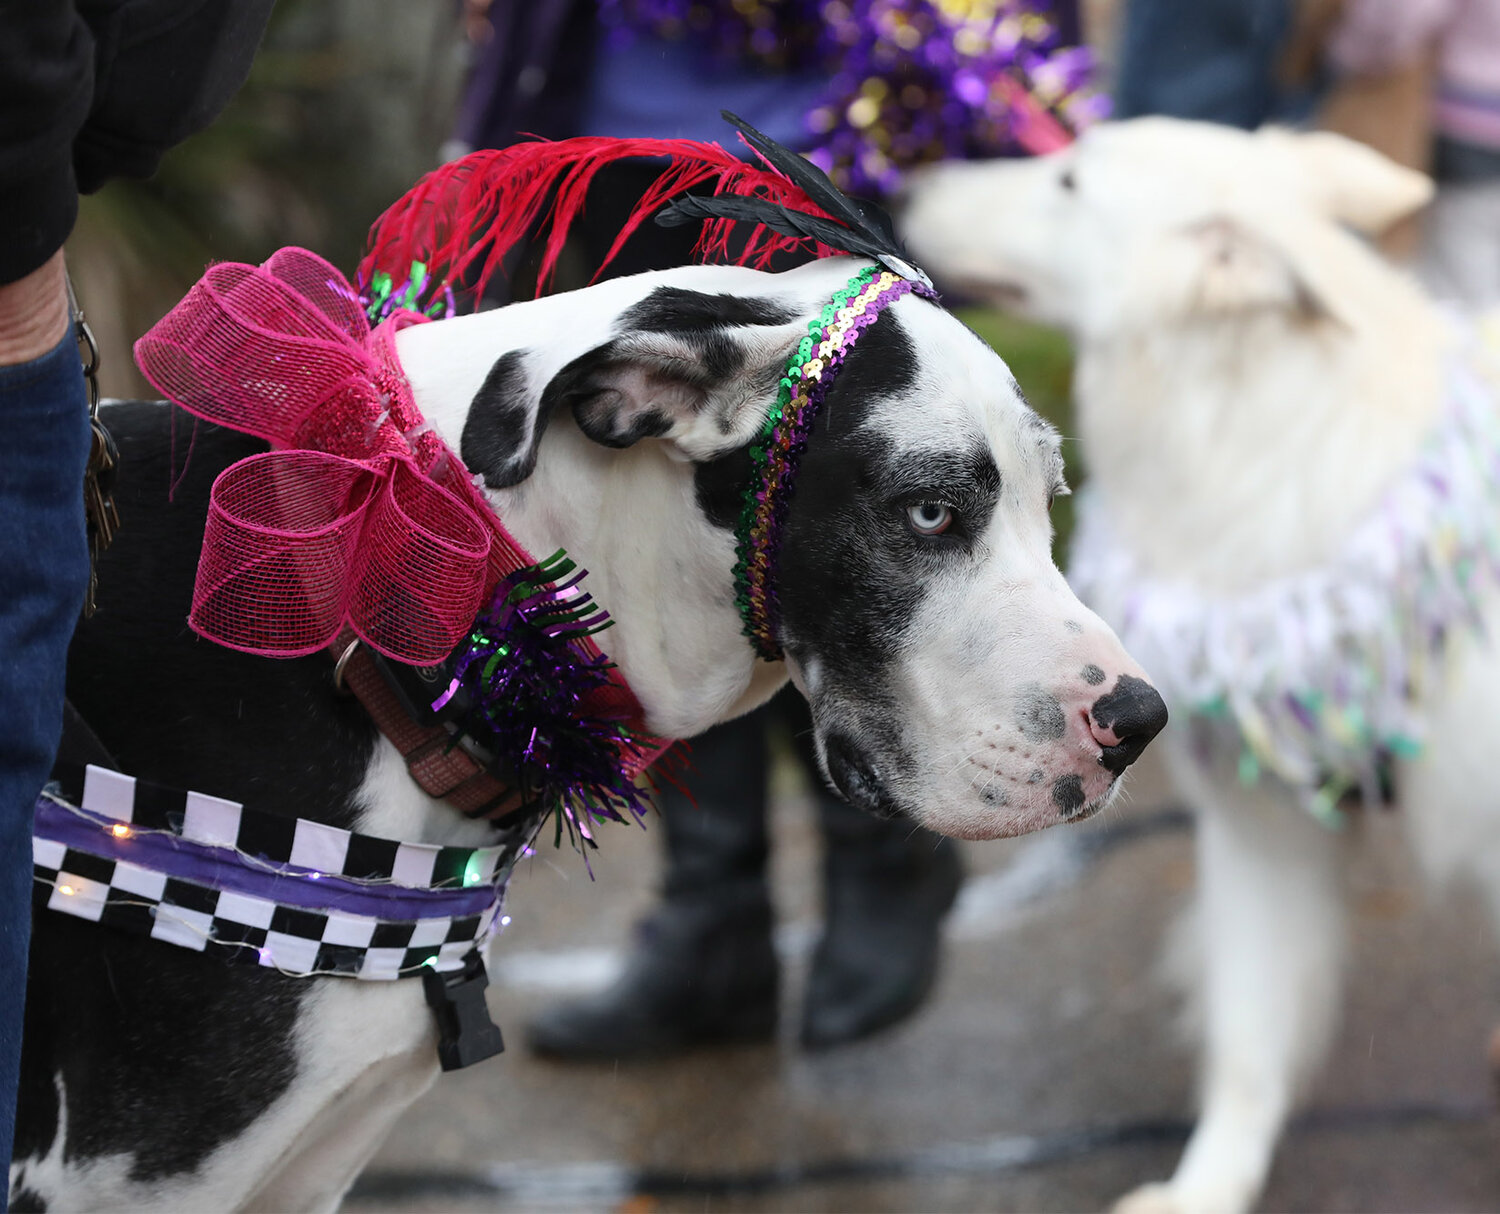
{"x":777,"y":451}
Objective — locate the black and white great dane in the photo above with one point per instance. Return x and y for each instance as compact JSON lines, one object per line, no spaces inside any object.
{"x":953,"y":678}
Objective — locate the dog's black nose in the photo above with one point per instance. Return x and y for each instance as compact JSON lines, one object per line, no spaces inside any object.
{"x":854,"y":776}
{"x":1125,"y":720}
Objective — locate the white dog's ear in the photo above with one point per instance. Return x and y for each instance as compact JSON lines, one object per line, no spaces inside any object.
{"x":690,"y":368}
{"x":1238,"y":269}
{"x":1349,"y":181}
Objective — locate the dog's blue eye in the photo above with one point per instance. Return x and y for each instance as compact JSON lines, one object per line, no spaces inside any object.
{"x":929,"y":518}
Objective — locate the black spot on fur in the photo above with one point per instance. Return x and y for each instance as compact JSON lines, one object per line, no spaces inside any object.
{"x":1073,"y":626}
{"x":701,"y":322}
{"x":1067,"y":795}
{"x":848,"y":588}
{"x":677,"y":310}
{"x":27,"y":1201}
{"x":848,"y":592}
{"x":500,"y":437}
{"x":719,"y":486}
{"x":166,"y":1055}
{"x":1093,"y":675}
{"x":994,"y":795}
{"x":1039,"y":716}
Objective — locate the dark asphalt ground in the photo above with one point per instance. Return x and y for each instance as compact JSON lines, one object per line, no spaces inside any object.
{"x":1047,"y":1072}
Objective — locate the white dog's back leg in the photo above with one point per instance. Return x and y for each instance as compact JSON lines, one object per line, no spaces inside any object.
{"x":1271,"y":927}
{"x":1450,"y":797}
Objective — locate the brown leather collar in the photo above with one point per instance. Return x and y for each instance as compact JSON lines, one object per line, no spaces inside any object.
{"x":441,"y":768}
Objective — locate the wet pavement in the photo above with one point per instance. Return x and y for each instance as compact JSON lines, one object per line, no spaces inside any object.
{"x":1046,"y":1073}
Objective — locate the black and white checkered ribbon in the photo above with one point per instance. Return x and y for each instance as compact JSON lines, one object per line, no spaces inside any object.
{"x":295,"y":895}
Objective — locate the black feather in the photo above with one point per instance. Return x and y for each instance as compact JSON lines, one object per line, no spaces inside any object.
{"x":812,"y":181}
{"x":858,"y":226}
{"x":779,"y":219}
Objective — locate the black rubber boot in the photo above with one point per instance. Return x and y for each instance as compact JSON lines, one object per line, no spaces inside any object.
{"x":887,"y":886}
{"x":703,"y":968}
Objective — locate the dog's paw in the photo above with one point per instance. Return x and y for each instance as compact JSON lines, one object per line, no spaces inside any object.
{"x":1156,"y":1198}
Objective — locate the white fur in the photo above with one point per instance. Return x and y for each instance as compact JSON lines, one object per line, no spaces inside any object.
{"x":1250,"y":378}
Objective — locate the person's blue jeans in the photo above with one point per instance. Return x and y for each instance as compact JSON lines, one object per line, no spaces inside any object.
{"x":44,"y":570}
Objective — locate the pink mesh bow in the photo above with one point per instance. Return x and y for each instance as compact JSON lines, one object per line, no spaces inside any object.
{"x":359,"y":514}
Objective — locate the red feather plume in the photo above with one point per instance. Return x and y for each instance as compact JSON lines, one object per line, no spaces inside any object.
{"x":462,"y":219}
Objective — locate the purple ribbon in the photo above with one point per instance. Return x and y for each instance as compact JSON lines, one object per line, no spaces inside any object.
{"x":223,"y":868}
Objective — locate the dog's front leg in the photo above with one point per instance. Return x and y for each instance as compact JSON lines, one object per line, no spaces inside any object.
{"x":1270,"y":928}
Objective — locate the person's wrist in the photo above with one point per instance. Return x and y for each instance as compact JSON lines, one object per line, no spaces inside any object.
{"x":33,"y":313}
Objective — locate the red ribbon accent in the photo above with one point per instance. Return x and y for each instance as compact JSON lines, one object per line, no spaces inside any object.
{"x":359,"y":515}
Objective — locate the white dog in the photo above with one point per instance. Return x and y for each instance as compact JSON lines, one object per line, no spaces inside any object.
{"x":1290,"y":519}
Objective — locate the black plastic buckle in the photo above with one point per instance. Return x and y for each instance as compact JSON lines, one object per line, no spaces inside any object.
{"x":416,"y":687}
{"x":466,"y":1034}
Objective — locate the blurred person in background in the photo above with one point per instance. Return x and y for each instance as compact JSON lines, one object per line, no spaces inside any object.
{"x":867,"y":90}
{"x":87,"y":92}
{"x":1459,"y":42}
{"x":1222,"y":61}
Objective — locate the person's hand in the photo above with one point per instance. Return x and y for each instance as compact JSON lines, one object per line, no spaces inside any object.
{"x":33,"y":313}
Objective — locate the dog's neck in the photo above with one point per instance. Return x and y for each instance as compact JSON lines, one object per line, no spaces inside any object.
{"x":1298,"y":420}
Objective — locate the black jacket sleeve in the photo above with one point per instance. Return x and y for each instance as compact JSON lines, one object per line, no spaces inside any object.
{"x":94,"y":89}
{"x":46,"y":88}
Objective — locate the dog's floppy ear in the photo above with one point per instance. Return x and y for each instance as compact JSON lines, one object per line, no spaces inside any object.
{"x":1350,"y":182}
{"x":693,"y":368}
{"x":1239,"y":269}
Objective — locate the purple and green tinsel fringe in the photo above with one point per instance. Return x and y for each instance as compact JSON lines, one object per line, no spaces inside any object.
{"x":528,"y":685}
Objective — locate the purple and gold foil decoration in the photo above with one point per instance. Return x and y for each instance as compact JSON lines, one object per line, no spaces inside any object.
{"x":918,"y":81}
{"x":777,"y":451}
{"x":910,"y":81}
{"x":781,"y":35}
